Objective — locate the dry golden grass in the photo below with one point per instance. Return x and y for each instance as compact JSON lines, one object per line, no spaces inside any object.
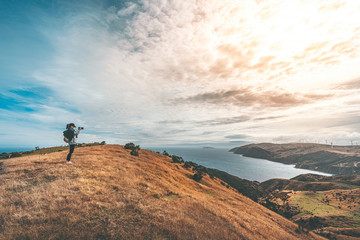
{"x":109,"y":194}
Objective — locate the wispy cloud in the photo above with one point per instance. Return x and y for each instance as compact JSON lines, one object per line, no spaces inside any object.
{"x":350,"y":85}
{"x":224,"y":121}
{"x":175,"y":70}
{"x":237,"y":136}
{"x":261,"y":99}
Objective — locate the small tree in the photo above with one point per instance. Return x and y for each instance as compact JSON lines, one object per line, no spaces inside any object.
{"x":200,"y":169}
{"x":177,"y":159}
{"x":131,"y":146}
{"x":197,"y":176}
{"x":134,"y":148}
{"x":166,"y":153}
{"x":134,"y":152}
{"x":187,"y":165}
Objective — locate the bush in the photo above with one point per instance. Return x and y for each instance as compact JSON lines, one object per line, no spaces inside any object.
{"x":4,"y":155}
{"x":129,"y":146}
{"x":187,"y":165}
{"x":177,"y":159}
{"x":134,"y":148}
{"x":190,"y":165}
{"x":15,"y":154}
{"x":166,"y":153}
{"x":197,"y":176}
{"x":103,"y":143}
{"x":200,"y":169}
{"x":134,"y":152}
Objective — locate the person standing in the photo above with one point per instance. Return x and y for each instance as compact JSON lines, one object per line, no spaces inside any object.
{"x":72,"y":142}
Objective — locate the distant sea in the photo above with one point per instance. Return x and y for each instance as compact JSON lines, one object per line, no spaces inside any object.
{"x":244,"y":167}
{"x":15,"y":149}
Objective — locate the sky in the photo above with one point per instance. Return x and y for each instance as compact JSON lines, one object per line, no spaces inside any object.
{"x":190,"y":73}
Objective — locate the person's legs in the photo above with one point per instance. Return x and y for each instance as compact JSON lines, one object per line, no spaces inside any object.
{"x":72,"y":147}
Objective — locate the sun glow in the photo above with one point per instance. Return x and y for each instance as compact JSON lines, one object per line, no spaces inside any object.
{"x":181,"y":71}
{"x":282,"y":40}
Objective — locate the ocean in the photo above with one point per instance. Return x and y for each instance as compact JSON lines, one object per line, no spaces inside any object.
{"x":244,"y":167}
{"x":15,"y":149}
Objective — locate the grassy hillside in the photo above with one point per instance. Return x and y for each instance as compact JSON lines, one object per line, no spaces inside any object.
{"x":321,"y":157}
{"x":328,"y":205}
{"x":109,"y":194}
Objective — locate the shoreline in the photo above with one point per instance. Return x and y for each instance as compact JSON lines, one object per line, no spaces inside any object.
{"x":315,"y":157}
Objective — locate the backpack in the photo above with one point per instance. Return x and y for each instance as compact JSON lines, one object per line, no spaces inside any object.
{"x":68,"y":135}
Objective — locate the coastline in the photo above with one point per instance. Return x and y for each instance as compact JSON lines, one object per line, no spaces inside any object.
{"x":252,"y":169}
{"x":315,"y":157}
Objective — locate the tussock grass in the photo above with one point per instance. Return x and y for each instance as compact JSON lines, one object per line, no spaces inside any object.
{"x":109,"y":194}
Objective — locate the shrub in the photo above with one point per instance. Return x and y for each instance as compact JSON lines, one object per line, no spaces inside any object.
{"x":177,"y":159}
{"x":187,"y":165}
{"x":129,"y":146}
{"x":166,"y":153}
{"x":197,"y":176}
{"x":190,"y":165}
{"x":134,"y":152}
{"x":134,"y":148}
{"x":200,"y":169}
{"x":15,"y":154}
{"x":103,"y":143}
{"x":4,"y":155}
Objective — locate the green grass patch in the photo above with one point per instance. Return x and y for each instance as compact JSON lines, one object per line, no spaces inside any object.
{"x":355,"y":217}
{"x":311,"y":204}
{"x":346,"y":186}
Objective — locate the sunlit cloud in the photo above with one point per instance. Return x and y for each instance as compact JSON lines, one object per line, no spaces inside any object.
{"x":167,"y":72}
{"x":258,"y":99}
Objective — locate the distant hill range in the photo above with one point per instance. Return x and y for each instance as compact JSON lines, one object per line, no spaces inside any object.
{"x":319,"y":157}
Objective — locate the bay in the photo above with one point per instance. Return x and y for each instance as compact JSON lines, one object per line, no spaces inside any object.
{"x":253,"y":169}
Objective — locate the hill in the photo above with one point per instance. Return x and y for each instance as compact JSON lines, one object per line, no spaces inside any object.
{"x":328,"y":205}
{"x":320,"y":157}
{"x":109,"y":194}
{"x":313,"y":182}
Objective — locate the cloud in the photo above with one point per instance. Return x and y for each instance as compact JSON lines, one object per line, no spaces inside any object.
{"x":175,"y":71}
{"x":224,"y":121}
{"x":252,"y":98}
{"x":237,"y":136}
{"x":350,"y":85}
{"x":267,"y":118}
{"x":239,"y":143}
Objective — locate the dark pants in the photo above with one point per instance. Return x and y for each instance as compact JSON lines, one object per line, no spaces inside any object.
{"x":72,"y":147}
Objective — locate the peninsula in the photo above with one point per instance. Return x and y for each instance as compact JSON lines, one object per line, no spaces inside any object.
{"x":319,"y":157}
